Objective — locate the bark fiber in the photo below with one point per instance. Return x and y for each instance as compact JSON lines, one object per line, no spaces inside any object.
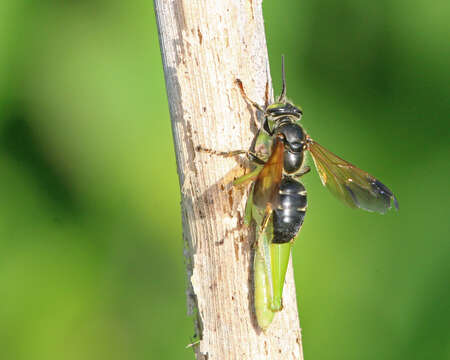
{"x":205,"y":46}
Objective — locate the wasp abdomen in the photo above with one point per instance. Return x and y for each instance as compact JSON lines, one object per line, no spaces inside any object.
{"x":290,"y":212}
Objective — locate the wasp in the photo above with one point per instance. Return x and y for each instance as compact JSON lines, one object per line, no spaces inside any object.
{"x":277,"y":201}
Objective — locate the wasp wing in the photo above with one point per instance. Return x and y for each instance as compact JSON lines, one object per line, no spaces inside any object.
{"x":350,"y":184}
{"x":268,"y":180}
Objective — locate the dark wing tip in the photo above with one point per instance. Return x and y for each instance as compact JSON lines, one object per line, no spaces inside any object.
{"x":395,"y":202}
{"x":385,"y":192}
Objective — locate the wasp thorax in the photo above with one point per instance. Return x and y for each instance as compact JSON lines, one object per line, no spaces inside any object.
{"x":294,"y":139}
{"x":292,"y":134}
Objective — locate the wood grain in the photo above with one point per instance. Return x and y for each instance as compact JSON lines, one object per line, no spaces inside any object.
{"x":205,"y":46}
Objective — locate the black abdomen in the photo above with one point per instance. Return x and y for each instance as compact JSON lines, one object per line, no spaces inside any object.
{"x":290,"y":212}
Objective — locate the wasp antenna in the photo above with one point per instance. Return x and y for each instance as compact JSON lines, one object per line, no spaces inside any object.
{"x":282,"y":97}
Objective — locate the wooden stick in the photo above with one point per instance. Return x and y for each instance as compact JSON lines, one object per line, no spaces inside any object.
{"x":206,"y":46}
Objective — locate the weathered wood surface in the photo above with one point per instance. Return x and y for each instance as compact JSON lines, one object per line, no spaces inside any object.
{"x":205,"y":46}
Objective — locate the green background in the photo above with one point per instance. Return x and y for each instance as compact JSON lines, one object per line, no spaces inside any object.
{"x":91,"y":263}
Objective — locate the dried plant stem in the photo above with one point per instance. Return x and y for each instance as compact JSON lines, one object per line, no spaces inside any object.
{"x":205,"y":46}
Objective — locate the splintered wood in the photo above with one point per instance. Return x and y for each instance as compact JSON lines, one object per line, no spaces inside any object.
{"x":206,"y":46}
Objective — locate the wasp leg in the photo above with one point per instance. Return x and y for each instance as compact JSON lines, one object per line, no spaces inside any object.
{"x":244,"y":95}
{"x":247,"y":177}
{"x":252,"y":156}
{"x":266,"y":217}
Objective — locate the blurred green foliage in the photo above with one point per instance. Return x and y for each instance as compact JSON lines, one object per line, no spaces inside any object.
{"x":91,"y":264}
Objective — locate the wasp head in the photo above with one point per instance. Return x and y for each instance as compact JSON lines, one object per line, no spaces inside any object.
{"x":282,"y":110}
{"x":279,"y":112}
{"x":278,"y":109}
